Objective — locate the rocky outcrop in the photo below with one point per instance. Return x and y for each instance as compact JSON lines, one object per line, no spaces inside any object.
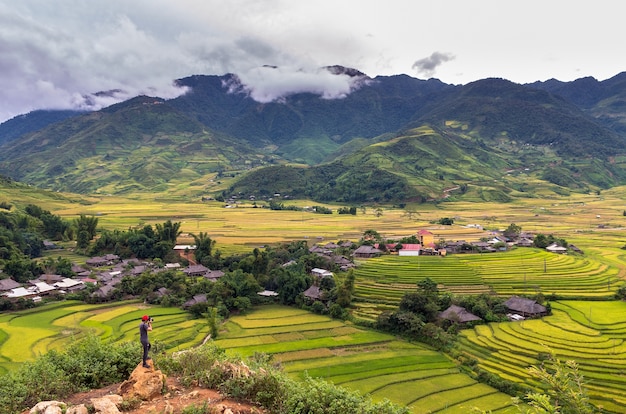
{"x":144,"y":384}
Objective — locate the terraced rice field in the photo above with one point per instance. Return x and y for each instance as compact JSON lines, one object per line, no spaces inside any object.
{"x":26,"y":334}
{"x":373,"y":363}
{"x":592,"y":333}
{"x":384,"y":280}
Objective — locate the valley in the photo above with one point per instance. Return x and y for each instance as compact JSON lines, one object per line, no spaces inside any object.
{"x":584,"y":285}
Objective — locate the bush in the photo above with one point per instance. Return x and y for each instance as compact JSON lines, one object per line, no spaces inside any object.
{"x":89,"y":363}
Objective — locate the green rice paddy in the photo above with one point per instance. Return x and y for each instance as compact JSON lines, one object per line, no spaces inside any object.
{"x":591,"y":333}
{"x":370,"y":362}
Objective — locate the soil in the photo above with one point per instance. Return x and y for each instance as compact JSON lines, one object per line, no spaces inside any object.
{"x":174,"y":401}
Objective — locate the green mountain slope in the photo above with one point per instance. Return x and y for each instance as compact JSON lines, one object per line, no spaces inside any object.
{"x":392,"y":139}
{"x":428,"y":163}
{"x":139,"y":145}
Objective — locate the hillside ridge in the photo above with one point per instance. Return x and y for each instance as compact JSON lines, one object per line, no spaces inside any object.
{"x":218,"y":132}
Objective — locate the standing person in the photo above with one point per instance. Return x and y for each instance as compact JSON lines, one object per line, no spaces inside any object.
{"x":144,"y":327}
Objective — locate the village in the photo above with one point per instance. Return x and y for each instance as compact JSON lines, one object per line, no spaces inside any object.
{"x":105,"y":273}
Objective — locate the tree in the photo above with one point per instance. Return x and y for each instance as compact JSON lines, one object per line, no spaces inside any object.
{"x":85,"y":230}
{"x":346,"y":290}
{"x":290,"y":284}
{"x":168,"y":231}
{"x":371,"y":234}
{"x":513,"y":231}
{"x":212,"y":318}
{"x":565,"y":390}
{"x":446,"y":221}
{"x":204,"y":246}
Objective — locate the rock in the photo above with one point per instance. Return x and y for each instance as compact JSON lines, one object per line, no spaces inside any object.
{"x":104,"y":405}
{"x":77,"y":409}
{"x":114,"y":398}
{"x":144,"y":384}
{"x":48,"y":407}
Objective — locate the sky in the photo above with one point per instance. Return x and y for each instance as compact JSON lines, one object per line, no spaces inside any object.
{"x":59,"y":54}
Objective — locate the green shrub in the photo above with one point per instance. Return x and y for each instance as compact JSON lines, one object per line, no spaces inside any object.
{"x":89,"y":363}
{"x":320,"y":397}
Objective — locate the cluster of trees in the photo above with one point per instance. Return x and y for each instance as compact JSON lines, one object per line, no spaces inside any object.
{"x":276,"y":205}
{"x":144,"y":243}
{"x":417,"y":314}
{"x":22,"y":233}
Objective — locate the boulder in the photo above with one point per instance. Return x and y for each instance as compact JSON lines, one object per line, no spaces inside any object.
{"x":48,"y":407}
{"x":144,"y":384}
{"x":77,"y":409}
{"x":104,"y":405}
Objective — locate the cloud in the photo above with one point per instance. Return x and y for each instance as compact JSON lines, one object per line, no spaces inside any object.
{"x":56,"y":65}
{"x":270,"y":83}
{"x":60,"y":57}
{"x":428,"y":66}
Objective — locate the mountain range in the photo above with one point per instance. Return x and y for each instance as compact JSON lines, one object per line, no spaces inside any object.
{"x":392,"y":139}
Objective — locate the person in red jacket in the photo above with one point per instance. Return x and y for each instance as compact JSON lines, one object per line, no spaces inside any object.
{"x":144,"y":328}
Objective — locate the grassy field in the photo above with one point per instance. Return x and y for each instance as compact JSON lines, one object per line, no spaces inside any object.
{"x":373,"y":363}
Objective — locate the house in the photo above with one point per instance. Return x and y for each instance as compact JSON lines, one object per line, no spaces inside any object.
{"x":161,"y":292}
{"x":8,"y":284}
{"x":426,"y":238}
{"x":321,"y":273}
{"x":24,"y":293}
{"x":137,"y":270}
{"x":410,"y":250}
{"x":525,"y":307}
{"x":524,"y":242}
{"x":183,"y":250}
{"x":319,"y":250}
{"x":97,"y":261}
{"x":555,"y":248}
{"x":48,"y":245}
{"x":213,"y":274}
{"x":496,"y":240}
{"x":70,"y":285}
{"x":104,"y":291}
{"x":575,"y":249}
{"x":268,"y":293}
{"x":195,"y":270}
{"x":459,"y":246}
{"x":313,"y":293}
{"x":42,"y":288}
{"x":458,"y":314}
{"x":365,"y":252}
{"x":112,"y":258}
{"x":195,"y":300}
{"x":342,"y":262}
{"x":48,"y":278}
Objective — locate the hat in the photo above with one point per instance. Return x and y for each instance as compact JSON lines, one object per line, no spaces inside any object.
{"x":145,"y":317}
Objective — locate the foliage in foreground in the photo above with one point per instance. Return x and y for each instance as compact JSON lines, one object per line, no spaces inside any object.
{"x":86,"y":364}
{"x":564,"y":390}
{"x":257,"y":381}
{"x":92,"y":363}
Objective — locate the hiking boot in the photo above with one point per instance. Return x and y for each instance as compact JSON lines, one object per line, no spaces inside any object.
{"x":146,"y":366}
